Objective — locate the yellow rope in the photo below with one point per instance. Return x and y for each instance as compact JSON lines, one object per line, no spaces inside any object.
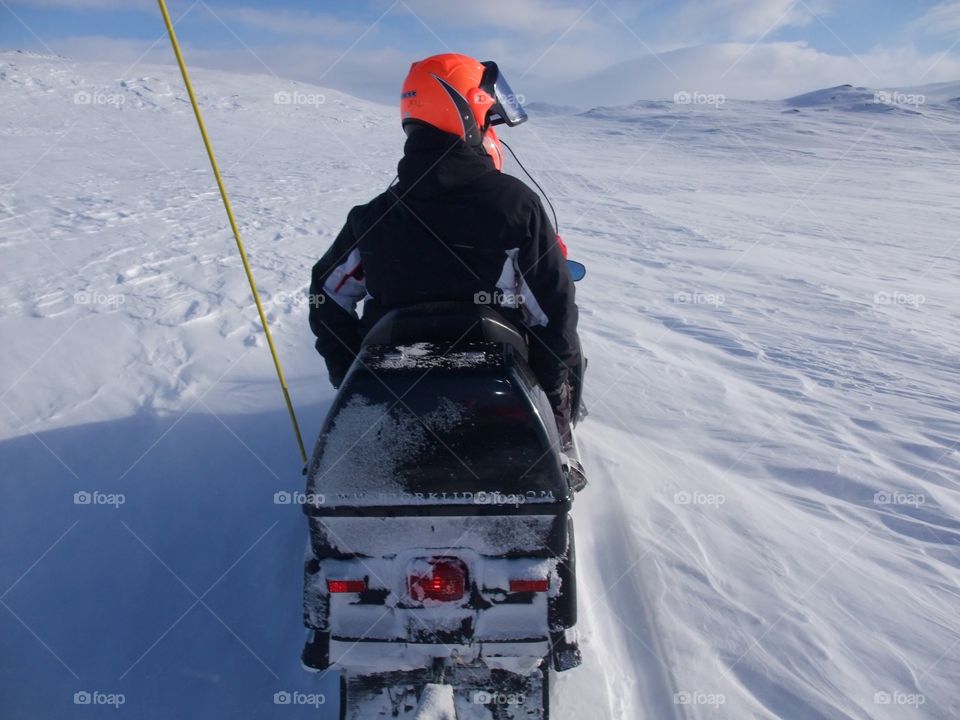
{"x":233,"y":226}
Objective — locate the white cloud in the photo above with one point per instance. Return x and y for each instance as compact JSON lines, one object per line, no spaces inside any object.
{"x":740,"y":19}
{"x":942,"y":19}
{"x":275,"y":20}
{"x":288,"y":23}
{"x":87,"y":4}
{"x":523,"y":16}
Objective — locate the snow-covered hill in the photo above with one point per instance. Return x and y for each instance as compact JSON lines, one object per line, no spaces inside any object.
{"x":771,"y":316}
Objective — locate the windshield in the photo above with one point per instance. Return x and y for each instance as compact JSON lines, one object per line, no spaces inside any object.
{"x":507,"y":107}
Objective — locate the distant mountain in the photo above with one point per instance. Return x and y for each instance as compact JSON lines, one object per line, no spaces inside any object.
{"x":844,"y":97}
{"x":860,"y":99}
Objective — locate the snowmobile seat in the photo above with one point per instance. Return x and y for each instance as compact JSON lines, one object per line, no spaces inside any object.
{"x":459,"y":322}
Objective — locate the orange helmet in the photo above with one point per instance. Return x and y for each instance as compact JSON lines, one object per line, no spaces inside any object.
{"x":461,"y":96}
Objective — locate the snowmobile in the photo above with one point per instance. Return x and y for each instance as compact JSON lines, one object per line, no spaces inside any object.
{"x":440,"y":574}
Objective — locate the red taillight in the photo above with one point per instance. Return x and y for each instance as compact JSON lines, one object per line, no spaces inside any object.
{"x":346,"y":586}
{"x":529,"y":586}
{"x":445,"y":580}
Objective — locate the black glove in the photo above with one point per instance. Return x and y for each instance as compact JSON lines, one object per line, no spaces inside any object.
{"x":578,"y":410}
{"x":336,"y":374}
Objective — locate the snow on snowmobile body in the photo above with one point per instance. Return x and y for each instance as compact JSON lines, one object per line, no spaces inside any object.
{"x":440,"y":536}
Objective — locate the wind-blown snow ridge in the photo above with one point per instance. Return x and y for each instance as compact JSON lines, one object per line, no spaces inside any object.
{"x":771,"y":528}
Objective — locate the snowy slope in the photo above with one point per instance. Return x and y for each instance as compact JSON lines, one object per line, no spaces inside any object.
{"x":772,"y":524}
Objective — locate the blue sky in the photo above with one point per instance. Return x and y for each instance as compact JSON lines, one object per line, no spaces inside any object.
{"x":578,"y":51}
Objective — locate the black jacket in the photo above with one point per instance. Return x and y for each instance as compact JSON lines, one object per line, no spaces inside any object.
{"x":451,"y":228}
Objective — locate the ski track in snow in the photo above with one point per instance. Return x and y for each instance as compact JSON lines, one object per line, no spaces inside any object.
{"x":771,"y":529}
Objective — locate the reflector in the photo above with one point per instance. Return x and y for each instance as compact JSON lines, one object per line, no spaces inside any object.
{"x":529,"y":586}
{"x":346,"y":586}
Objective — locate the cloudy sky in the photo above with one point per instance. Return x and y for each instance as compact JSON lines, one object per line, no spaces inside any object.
{"x":575,"y":52}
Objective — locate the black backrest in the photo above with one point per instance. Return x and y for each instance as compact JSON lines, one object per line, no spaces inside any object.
{"x":445,"y":322}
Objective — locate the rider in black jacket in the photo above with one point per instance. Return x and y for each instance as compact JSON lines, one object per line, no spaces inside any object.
{"x":452,"y":228}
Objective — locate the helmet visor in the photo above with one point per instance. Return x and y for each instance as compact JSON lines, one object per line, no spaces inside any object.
{"x":506,"y":104}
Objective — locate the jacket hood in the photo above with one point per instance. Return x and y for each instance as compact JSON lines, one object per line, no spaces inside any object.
{"x":435,"y":162}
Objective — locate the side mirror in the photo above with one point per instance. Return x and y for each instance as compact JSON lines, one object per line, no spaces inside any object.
{"x":578,"y":271}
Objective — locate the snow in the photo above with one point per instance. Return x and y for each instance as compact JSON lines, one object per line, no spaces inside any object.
{"x":426,"y":356}
{"x":376,"y":536}
{"x":771,"y":526}
{"x":436,"y":703}
{"x":369,"y":441}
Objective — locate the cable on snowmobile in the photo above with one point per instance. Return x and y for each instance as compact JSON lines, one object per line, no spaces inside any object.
{"x":556,"y":225}
{"x":233,"y":227}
